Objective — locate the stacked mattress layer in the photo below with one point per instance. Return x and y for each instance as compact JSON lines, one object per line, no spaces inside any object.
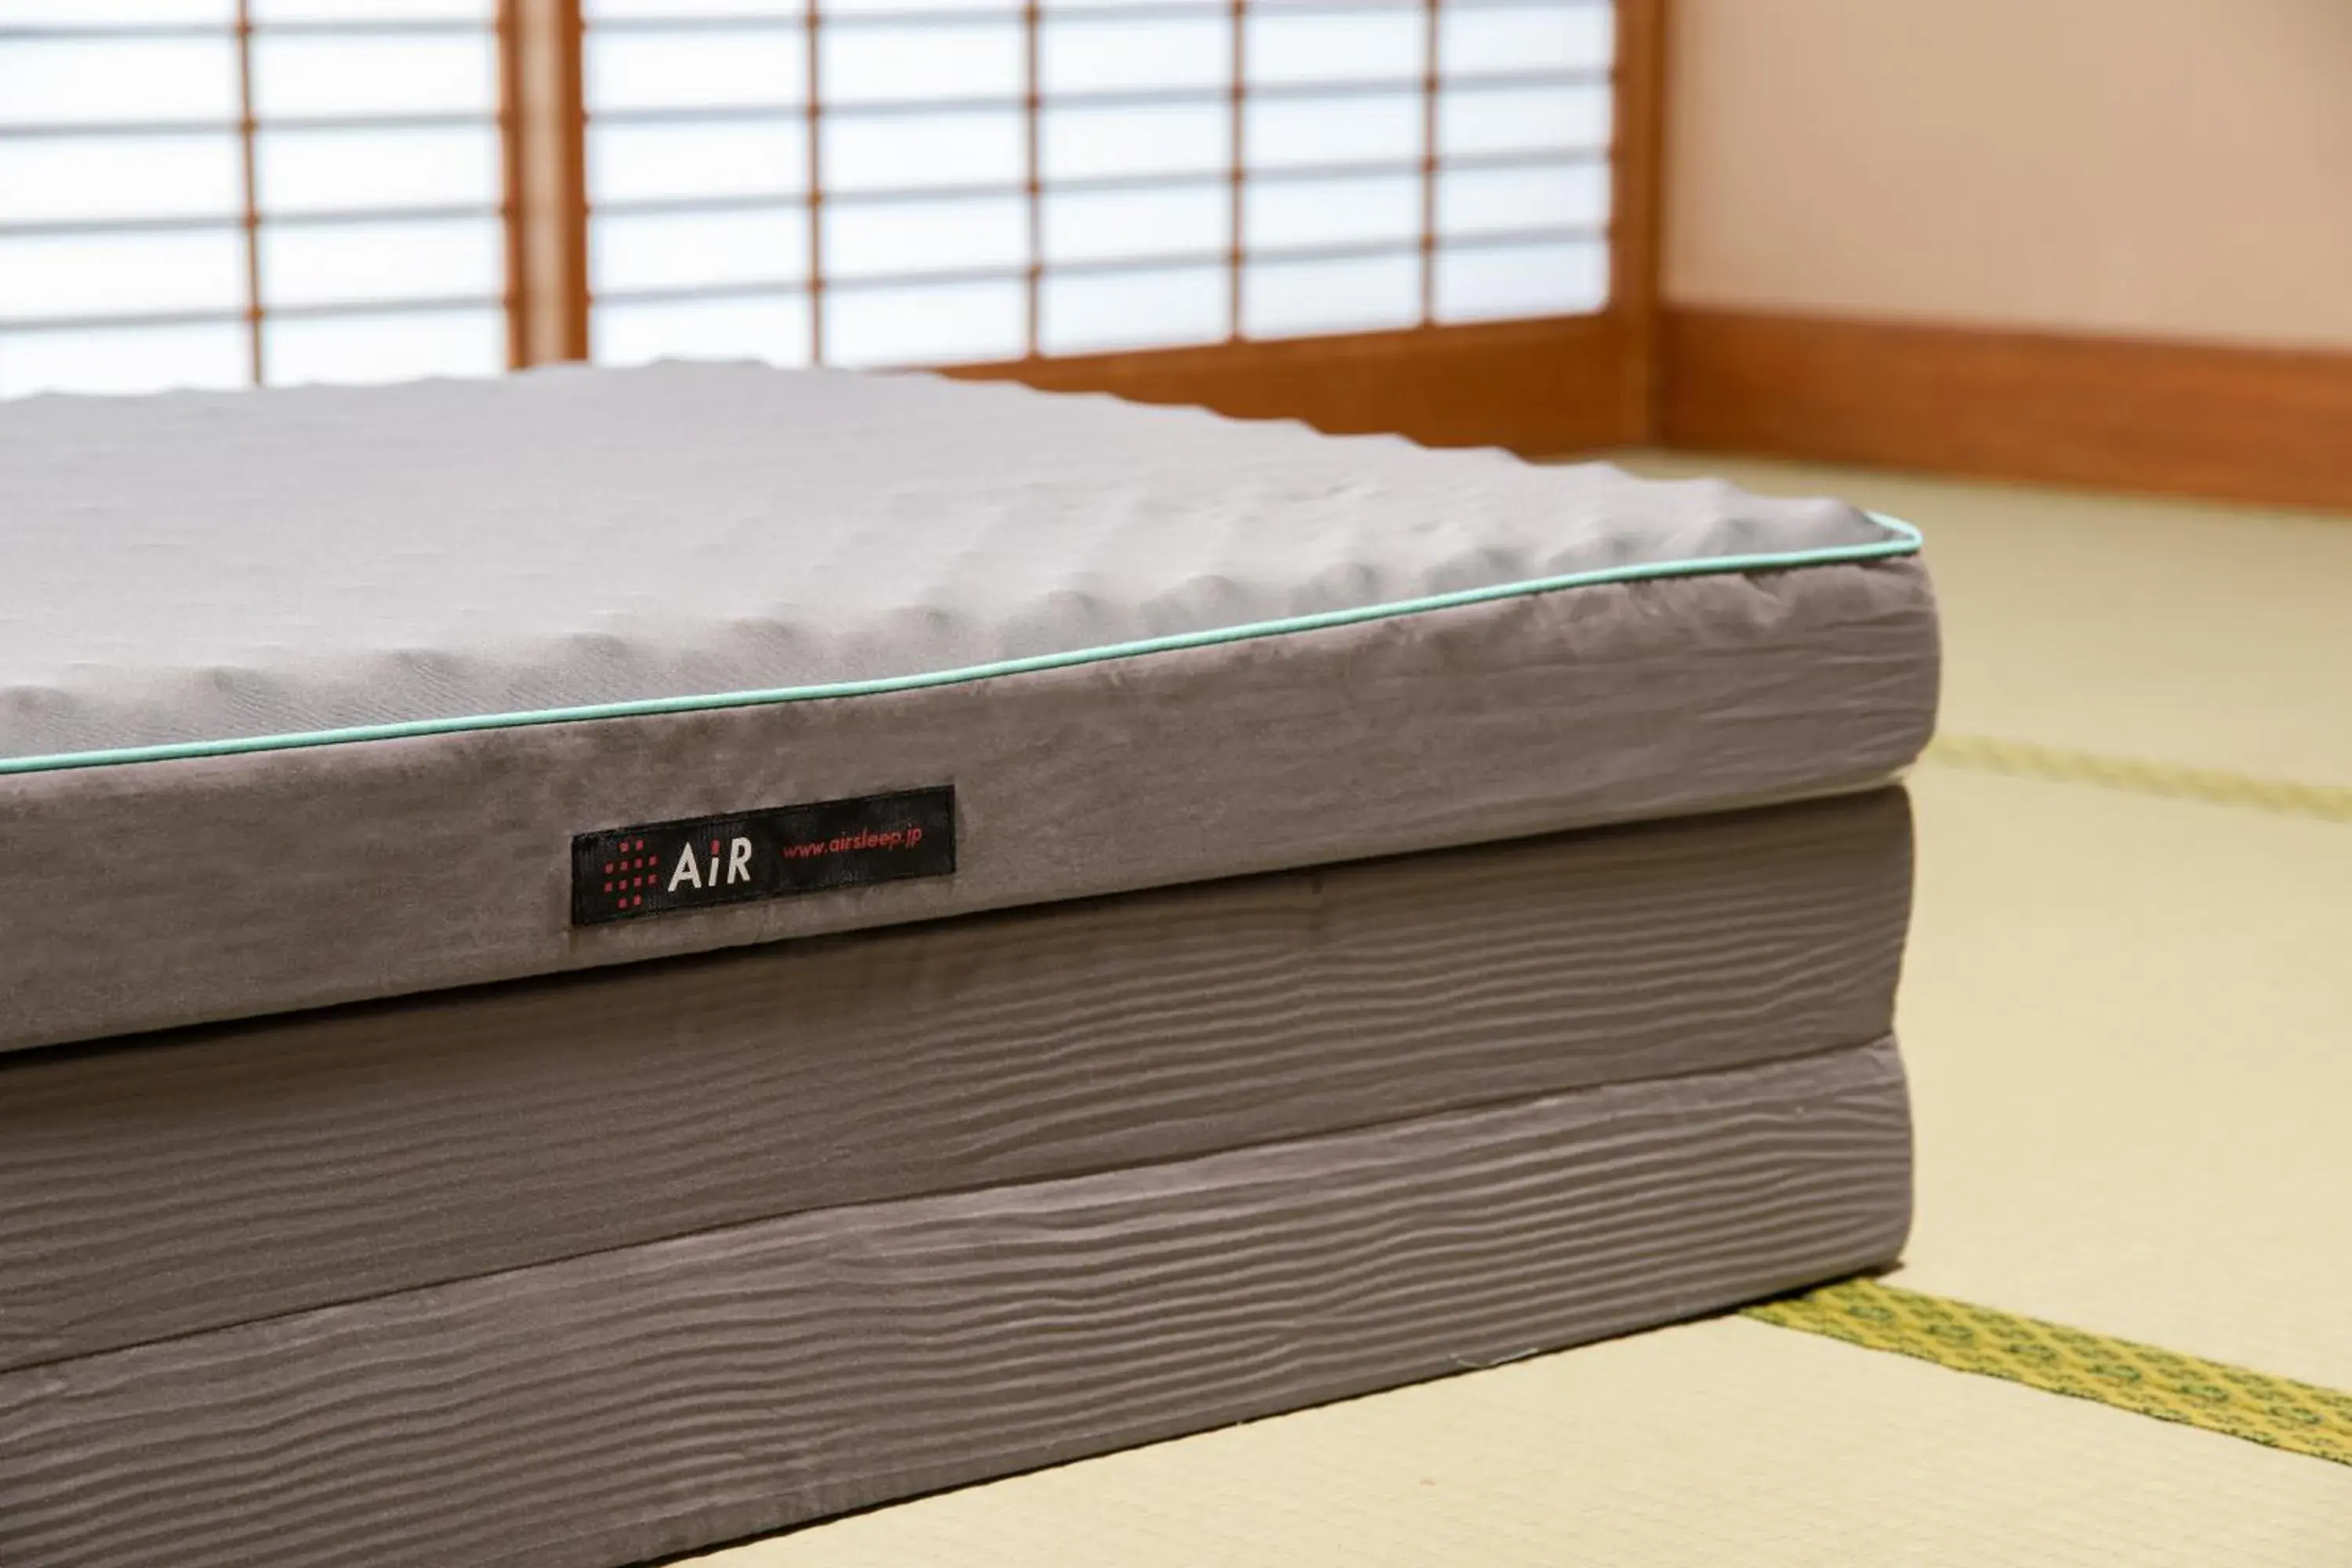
{"x":306,"y":698}
{"x":216,"y":1175}
{"x":1269,"y":918}
{"x":590,"y":1270}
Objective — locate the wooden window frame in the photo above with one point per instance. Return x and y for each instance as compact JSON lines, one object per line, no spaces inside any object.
{"x":1542,"y":385}
{"x":2227,"y":421}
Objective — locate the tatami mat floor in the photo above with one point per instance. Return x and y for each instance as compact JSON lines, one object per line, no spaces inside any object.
{"x":2128,"y":1020}
{"x":2129,"y":1026}
{"x":1725,"y":1443}
{"x":2128,"y":1023}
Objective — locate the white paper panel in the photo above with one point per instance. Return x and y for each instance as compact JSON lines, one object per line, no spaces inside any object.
{"x":1322,"y":45}
{"x":1294,"y":299}
{"x":1291,"y":214}
{"x":875,"y":8}
{"x":1086,"y":143}
{"x":389,"y":74}
{"x":707,"y":69}
{"x":119,"y":275}
{"x":482,"y":12}
{"x":881,"y":64}
{"x":347,"y":263}
{"x":1472,"y":121}
{"x":1132,"y":310}
{"x":402,"y":346}
{"x":1485,"y":283}
{"x":670,"y":162}
{"x":1179,"y":220}
{"x":880,"y":238}
{"x":145,"y":360}
{"x":684,"y":250}
{"x":982,"y":148}
{"x":895,"y":326}
{"x":314,"y":171}
{"x":1287,"y":132}
{"x":118,"y":13}
{"x":774,"y":328}
{"x":1481,"y":39}
{"x":84,"y":81}
{"x":52,"y":179}
{"x":1123,"y":55}
{"x":595,"y":11}
{"x":1488,"y":200}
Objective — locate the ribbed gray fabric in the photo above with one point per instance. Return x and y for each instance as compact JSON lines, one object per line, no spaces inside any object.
{"x":207,"y":1177}
{"x":616,"y":1407}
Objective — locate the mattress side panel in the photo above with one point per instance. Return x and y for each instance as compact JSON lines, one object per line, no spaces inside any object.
{"x":154,"y":895}
{"x":212,"y":1177}
{"x":618,"y":1407}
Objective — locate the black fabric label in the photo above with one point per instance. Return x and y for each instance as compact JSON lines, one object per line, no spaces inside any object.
{"x":658,"y":868}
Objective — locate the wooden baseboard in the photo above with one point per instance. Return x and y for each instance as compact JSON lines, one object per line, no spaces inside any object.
{"x":1541,"y":387}
{"x":2241,"y":424}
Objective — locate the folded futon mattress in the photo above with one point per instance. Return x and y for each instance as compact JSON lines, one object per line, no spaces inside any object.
{"x":600,"y":962}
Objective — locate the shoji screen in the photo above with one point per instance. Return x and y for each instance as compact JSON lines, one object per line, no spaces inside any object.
{"x":219,"y":192}
{"x":211,"y":192}
{"x":909,"y":181}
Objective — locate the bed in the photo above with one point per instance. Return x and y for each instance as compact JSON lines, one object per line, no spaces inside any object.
{"x":612,"y":960}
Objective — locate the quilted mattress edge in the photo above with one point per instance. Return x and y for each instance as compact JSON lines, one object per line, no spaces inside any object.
{"x":154,"y":893}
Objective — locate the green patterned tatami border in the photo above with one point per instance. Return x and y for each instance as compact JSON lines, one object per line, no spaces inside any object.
{"x":2138,"y":775}
{"x":2213,"y":1395}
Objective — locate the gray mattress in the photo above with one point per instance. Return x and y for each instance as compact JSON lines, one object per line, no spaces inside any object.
{"x":583,"y":1269}
{"x":625,"y":1404}
{"x":613,"y":960}
{"x":319,"y":695}
{"x":207,"y":1176}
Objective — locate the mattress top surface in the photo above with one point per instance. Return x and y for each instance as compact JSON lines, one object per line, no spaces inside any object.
{"x":205,"y":571}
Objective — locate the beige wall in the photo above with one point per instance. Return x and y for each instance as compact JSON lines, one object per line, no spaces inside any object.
{"x":2173,"y":168}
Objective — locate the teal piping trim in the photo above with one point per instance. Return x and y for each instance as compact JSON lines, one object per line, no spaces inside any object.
{"x":1902,"y":539}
